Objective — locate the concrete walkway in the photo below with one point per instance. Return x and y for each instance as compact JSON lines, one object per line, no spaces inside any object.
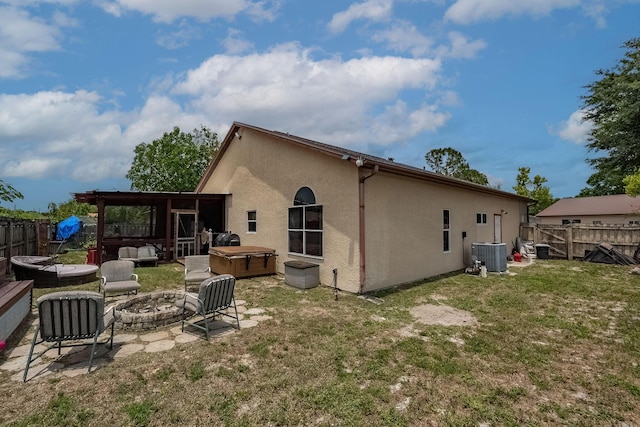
{"x":74,"y":361}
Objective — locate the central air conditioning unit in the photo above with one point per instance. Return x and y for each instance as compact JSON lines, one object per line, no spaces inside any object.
{"x":494,"y":255}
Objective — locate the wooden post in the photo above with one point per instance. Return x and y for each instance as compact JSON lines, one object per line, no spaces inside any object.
{"x":569,"y":237}
{"x":169,"y":253}
{"x":10,"y":239}
{"x":100,"y":230}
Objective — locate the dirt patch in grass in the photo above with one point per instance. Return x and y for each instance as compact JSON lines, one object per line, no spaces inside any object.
{"x":444,"y":315}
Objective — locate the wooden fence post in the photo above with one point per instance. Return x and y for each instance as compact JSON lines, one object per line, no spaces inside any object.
{"x":569,"y":231}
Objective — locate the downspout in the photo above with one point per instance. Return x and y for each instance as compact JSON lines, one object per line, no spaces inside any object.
{"x":100,"y":230}
{"x":363,"y":269}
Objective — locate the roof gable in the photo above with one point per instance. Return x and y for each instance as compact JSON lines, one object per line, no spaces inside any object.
{"x":345,"y":154}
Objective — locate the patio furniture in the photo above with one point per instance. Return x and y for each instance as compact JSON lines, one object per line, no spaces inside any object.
{"x":196,"y":269}
{"x":143,"y":254}
{"x":46,"y":274}
{"x":128,"y":253}
{"x":71,"y":316}
{"x":214,"y":297}
{"x":118,"y":276}
{"x":148,"y":254}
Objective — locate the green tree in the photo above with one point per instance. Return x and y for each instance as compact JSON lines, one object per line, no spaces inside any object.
{"x":450,"y":162}
{"x":533,"y":189}
{"x":613,"y":106}
{"x":632,"y":184}
{"x":175,"y":162}
{"x":68,"y":208}
{"x":8,"y":193}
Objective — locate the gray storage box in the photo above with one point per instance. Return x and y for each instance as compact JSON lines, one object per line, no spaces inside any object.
{"x":301,"y":274}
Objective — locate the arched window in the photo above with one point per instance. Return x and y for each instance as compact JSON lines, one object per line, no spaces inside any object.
{"x":305,"y":224}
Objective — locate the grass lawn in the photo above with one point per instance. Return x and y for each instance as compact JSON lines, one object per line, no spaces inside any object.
{"x":557,"y":343}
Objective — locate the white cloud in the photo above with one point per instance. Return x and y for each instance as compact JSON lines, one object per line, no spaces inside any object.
{"x":169,"y":10}
{"x":59,"y":134}
{"x":403,"y":36}
{"x":287,"y":89}
{"x":22,"y":34}
{"x":460,"y":47}
{"x":470,"y":11}
{"x":180,"y":37}
{"x":597,"y":12}
{"x":234,"y":43}
{"x":375,"y":10}
{"x":35,"y":167}
{"x":575,"y":129}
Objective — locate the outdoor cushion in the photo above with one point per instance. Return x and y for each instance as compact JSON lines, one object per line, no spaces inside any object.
{"x":128,"y":253}
{"x":118,"y":276}
{"x":196,"y":269}
{"x":147,"y":253}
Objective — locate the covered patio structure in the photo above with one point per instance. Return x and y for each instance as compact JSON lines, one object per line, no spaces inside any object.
{"x":172,"y":226}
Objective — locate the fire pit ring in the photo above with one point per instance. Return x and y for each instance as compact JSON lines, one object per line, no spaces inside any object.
{"x":148,"y":311}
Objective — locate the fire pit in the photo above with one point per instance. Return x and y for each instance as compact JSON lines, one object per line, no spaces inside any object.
{"x":148,"y":311}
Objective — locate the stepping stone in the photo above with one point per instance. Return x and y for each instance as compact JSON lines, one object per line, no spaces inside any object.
{"x":250,"y":323}
{"x":125,"y":350}
{"x":23,"y":350}
{"x":260,"y":318}
{"x":185,"y":338}
{"x":122,"y":338}
{"x":155,"y":336}
{"x":158,"y":346}
{"x":254,"y":311}
{"x":176,"y":330}
{"x":18,"y":364}
{"x":82,"y":368}
{"x":37,"y":372}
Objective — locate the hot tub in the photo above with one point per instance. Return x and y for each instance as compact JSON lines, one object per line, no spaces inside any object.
{"x":242,"y":261}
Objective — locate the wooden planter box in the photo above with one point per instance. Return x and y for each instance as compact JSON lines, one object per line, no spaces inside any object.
{"x":242,"y":261}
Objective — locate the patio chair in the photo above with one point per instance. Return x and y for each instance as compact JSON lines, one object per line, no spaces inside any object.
{"x":128,"y":253}
{"x":147,"y":253}
{"x":196,"y":269}
{"x":118,"y":276}
{"x":214,"y":297}
{"x":73,"y":316}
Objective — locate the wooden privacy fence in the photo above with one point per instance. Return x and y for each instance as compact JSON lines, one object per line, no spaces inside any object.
{"x":573,"y":240}
{"x":21,"y":237}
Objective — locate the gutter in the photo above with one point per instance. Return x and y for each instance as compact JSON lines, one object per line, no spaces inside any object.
{"x":362,"y":180}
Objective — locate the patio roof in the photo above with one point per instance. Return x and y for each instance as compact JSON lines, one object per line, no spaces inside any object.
{"x":165,"y":203}
{"x":141,"y":198}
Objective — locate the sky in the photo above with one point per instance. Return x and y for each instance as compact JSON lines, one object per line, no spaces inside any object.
{"x":83,"y":82}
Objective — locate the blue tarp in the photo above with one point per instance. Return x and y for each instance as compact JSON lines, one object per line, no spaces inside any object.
{"x":68,"y":227}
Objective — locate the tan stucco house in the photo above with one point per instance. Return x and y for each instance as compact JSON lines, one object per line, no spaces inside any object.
{"x":375,"y":222}
{"x":618,"y":209}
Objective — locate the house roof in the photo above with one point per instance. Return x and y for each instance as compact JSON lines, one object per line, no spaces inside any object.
{"x":345,"y":154}
{"x":618,"y":204}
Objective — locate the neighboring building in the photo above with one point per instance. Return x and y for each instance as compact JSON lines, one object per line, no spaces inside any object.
{"x":601,"y":210}
{"x":376,"y":223}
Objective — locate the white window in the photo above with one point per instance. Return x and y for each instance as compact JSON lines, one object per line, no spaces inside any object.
{"x":481,"y":218}
{"x":446,"y":231}
{"x":305,"y":224}
{"x":252,"y":222}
